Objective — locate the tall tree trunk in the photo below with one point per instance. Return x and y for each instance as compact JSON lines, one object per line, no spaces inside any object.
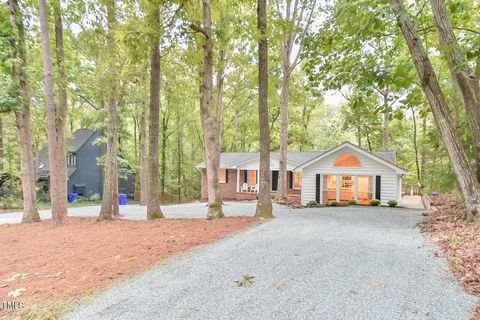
{"x":209,"y":133}
{"x":264,"y":203}
{"x":107,"y":209}
{"x":385,"y":131}
{"x":415,"y":145}
{"x":179,"y":162}
{"x":163,"y":166}
{"x":19,"y":75}
{"x":282,"y":171}
{"x":466,"y":79}
{"x":153,"y":206}
{"x":236,"y":125}
{"x":219,"y":102}
{"x":385,"y":94}
{"x":385,"y":120}
{"x":467,"y":181}
{"x":1,"y":144}
{"x":369,"y":143}
{"x":292,"y":23}
{"x":143,"y":154}
{"x":59,"y":211}
{"x":359,"y":135}
{"x":62,"y":111}
{"x":219,"y":96}
{"x":135,"y":140}
{"x":423,"y":153}
{"x":115,"y":199}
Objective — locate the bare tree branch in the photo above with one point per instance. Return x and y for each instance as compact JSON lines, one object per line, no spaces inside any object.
{"x":197,"y":28}
{"x":296,"y":61}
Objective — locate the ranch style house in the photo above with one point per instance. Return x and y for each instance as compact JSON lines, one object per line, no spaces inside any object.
{"x":346,"y":172}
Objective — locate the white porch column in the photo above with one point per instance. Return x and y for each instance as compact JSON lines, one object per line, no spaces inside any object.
{"x":321,"y":188}
{"x":338,"y":188}
{"x":238,"y":180}
{"x":373,"y":187}
{"x":399,"y":189}
{"x":258,"y":182}
{"x":355,"y":187}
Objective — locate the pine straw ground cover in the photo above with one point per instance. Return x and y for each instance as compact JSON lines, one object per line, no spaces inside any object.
{"x":45,"y":269}
{"x":459,"y":241}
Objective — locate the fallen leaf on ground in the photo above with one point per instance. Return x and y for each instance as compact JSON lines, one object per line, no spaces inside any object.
{"x":17,"y":292}
{"x":245,"y":281}
{"x":458,"y":240}
{"x":17,"y":276}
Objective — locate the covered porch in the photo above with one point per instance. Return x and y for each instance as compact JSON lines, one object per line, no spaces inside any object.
{"x":247,"y":186}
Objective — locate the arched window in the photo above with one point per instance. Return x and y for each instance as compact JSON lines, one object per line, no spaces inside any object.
{"x":347,"y":160}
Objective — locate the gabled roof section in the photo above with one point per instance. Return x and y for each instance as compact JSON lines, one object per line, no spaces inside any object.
{"x":80,"y":137}
{"x":229,"y":160}
{"x":299,"y":157}
{"x":388,"y":158}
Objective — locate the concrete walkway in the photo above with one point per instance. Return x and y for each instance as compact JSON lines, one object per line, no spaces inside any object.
{"x":317,"y":263}
{"x":412,"y":202}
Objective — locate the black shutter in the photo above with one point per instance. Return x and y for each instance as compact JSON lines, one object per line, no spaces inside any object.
{"x":290,"y":183}
{"x":245,"y":176}
{"x":378,"y":186}
{"x":226,"y":175}
{"x":275,"y":180}
{"x":317,"y":188}
{"x":256,"y":176}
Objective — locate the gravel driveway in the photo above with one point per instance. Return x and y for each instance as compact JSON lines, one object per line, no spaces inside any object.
{"x":322,"y":263}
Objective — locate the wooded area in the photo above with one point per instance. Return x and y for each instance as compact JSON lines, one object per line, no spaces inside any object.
{"x":170,"y":83}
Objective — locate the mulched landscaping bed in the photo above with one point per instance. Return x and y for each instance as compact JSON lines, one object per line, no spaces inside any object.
{"x":42,"y":267}
{"x":459,"y":241}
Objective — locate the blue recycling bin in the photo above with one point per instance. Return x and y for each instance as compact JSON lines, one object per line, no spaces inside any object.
{"x":122,"y":199}
{"x":72,"y":197}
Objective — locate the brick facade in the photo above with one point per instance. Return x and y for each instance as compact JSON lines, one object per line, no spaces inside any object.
{"x":228,"y":190}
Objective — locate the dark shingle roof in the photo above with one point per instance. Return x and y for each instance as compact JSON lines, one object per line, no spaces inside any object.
{"x":299,"y":157}
{"x":231,"y":159}
{"x":80,"y":137}
{"x":390,"y":156}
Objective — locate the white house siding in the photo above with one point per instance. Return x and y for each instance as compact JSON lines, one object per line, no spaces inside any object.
{"x":369,"y":167}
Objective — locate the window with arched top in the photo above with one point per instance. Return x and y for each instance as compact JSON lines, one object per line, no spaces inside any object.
{"x":347,"y":160}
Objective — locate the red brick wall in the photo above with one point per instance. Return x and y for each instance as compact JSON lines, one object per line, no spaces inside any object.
{"x":291,"y":191}
{"x":228,"y":190}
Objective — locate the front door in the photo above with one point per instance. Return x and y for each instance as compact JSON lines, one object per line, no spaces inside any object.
{"x":329,"y":188}
{"x":347,"y":188}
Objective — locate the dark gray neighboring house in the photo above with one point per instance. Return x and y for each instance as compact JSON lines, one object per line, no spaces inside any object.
{"x":85,"y":176}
